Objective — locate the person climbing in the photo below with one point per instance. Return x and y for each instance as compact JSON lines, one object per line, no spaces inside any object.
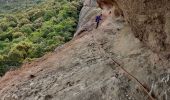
{"x":98,"y":18}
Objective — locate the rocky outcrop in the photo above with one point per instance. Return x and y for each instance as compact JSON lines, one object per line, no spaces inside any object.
{"x":109,"y":63}
{"x":87,"y":16}
{"x":149,"y":20}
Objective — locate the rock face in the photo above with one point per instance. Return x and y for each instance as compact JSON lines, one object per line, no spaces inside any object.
{"x":149,"y":20}
{"x":109,"y":63}
{"x":87,"y":16}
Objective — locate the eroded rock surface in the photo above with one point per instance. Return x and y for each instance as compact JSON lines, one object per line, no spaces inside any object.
{"x":83,"y":69}
{"x":149,"y":20}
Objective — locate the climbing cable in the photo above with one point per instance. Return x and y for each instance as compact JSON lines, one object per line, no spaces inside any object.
{"x":121,"y":67}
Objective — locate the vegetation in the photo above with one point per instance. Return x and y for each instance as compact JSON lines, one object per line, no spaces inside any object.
{"x":35,"y":31}
{"x":17,"y":5}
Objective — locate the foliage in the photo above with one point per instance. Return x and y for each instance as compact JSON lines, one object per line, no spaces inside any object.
{"x":17,"y":5}
{"x":33,"y":32}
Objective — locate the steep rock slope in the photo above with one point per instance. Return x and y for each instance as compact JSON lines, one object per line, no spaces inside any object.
{"x":87,"y":67}
{"x":149,"y":20}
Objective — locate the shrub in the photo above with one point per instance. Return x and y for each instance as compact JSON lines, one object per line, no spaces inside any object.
{"x":17,"y":34}
{"x":48,"y":15}
{"x":38,"y":23}
{"x":3,"y":26}
{"x":10,"y":18}
{"x":23,"y":21}
{"x":35,"y":37}
{"x":5,"y":36}
{"x":19,"y":51}
{"x":67,"y":11}
{"x":47,"y":28}
{"x":7,"y":7}
{"x":54,"y":20}
{"x":35,"y":14}
{"x":28,"y":28}
{"x":12,"y":24}
{"x":36,"y":51}
{"x":3,"y":68}
{"x":1,"y":57}
{"x":1,"y":31}
{"x":16,"y":29}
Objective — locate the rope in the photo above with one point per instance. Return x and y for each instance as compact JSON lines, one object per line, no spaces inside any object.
{"x":121,"y":67}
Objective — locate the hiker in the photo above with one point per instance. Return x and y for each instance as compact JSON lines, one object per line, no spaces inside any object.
{"x":98,"y":18}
